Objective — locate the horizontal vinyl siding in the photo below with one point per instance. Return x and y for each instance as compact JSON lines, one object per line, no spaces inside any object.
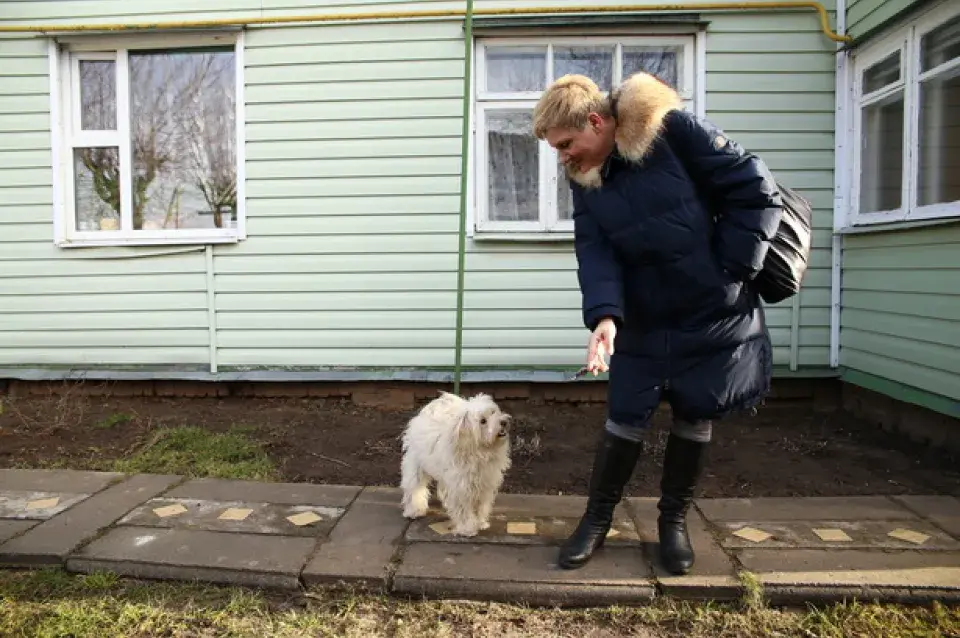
{"x":353,"y":144}
{"x":133,"y":10}
{"x":901,"y":308}
{"x":71,"y":308}
{"x":864,"y":16}
{"x":353,"y":159}
{"x":780,"y":105}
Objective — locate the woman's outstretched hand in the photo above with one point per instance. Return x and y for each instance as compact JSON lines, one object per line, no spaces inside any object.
{"x":601,"y":345}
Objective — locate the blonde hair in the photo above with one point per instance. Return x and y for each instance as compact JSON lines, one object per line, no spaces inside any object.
{"x":566,"y":104}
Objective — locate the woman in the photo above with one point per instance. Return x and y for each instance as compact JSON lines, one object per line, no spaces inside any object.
{"x":672,"y":221}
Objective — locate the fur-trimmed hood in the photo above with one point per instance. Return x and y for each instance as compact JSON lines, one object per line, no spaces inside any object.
{"x":639,"y":105}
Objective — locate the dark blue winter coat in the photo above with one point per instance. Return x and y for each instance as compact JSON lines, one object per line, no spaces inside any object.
{"x":691,"y":329}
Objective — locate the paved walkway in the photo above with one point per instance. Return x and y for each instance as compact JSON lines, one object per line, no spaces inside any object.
{"x":803,"y":550}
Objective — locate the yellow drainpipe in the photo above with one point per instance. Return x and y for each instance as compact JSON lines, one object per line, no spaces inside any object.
{"x":427,"y":14}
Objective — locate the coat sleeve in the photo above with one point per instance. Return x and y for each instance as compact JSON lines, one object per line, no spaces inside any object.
{"x":598,"y":271}
{"x":739,"y":187}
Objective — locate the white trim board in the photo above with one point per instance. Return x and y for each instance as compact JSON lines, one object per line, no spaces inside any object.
{"x":904,"y":38}
{"x":693,"y":91}
{"x":65,"y":55}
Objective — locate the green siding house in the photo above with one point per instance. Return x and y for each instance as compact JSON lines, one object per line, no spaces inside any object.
{"x":898,"y":207}
{"x":272,"y":189}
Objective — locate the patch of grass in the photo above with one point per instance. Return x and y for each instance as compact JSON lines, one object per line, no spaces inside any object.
{"x":752,"y":597}
{"x":51,"y":603}
{"x":196,"y":452}
{"x":113,"y":421}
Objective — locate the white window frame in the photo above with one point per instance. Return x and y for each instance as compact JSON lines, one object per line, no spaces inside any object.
{"x":65,"y":55}
{"x":905,"y":38}
{"x":691,"y":79}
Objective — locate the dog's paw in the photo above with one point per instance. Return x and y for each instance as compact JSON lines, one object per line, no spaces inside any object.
{"x":467,"y":532}
{"x":469,"y":527}
{"x":485,"y":525}
{"x":414,"y":513}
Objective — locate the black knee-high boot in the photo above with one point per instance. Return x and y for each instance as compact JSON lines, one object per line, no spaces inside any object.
{"x":612,"y":467}
{"x":682,"y":465}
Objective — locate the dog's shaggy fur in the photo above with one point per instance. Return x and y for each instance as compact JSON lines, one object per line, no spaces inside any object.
{"x":464,"y":445}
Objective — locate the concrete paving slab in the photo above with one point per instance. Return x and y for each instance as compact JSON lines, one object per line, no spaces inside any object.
{"x":615,"y":576}
{"x":70,"y":481}
{"x":11,"y":528}
{"x":838,"y":508}
{"x":713,"y":577}
{"x":22,"y":504}
{"x":265,"y":518}
{"x":822,"y":576}
{"x":52,"y":540}
{"x":361,"y":548}
{"x":864,"y":535}
{"x":540,"y":505}
{"x":943,"y":511}
{"x":276,"y":493}
{"x":514,"y":528}
{"x":252,"y":560}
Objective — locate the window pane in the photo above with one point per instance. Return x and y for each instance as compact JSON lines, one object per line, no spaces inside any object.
{"x":98,"y":95}
{"x":881,"y":152}
{"x":882,"y":74}
{"x":940,"y":45}
{"x":663,"y":62}
{"x":512,"y":167}
{"x":183,"y":123}
{"x":564,"y":196}
{"x":939,"y":155}
{"x":512,"y":69}
{"x":97,"y":188}
{"x":594,"y":62}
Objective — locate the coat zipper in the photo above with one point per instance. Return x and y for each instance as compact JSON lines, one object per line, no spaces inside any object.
{"x":666,"y":359}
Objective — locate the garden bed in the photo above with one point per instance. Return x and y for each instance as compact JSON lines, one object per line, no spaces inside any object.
{"x":784,"y":450}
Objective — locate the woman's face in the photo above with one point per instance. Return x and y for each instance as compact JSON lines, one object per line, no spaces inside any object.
{"x":581,"y":150}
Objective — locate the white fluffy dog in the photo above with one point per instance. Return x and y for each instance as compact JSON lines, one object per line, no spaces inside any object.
{"x":464,"y":445}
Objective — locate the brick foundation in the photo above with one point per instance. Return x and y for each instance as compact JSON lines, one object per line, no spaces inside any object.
{"x":912,"y":421}
{"x":821,"y":394}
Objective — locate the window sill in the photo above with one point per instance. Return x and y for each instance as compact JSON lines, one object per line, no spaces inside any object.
{"x":862,"y":228}
{"x":115,"y":241}
{"x":517,"y":236}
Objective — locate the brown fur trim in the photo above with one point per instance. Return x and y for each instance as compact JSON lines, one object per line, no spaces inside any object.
{"x":642,"y":102}
{"x":588,"y":179}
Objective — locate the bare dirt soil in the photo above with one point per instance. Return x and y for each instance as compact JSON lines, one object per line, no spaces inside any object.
{"x":782,"y":451}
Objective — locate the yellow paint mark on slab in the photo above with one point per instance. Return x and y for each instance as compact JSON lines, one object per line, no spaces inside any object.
{"x":612,"y":533}
{"x":522,"y":529}
{"x":832,"y":535}
{"x":170,"y":510}
{"x":442,"y":528}
{"x":917,"y":538}
{"x":43,"y":504}
{"x":304,"y":518}
{"x":235,"y":514}
{"x":753,"y":535}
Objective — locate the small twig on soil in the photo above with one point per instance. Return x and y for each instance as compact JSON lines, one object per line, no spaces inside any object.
{"x":332,"y":460}
{"x":136,"y":447}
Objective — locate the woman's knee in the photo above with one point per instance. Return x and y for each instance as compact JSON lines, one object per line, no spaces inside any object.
{"x":626,"y":432}
{"x":700,"y":431}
